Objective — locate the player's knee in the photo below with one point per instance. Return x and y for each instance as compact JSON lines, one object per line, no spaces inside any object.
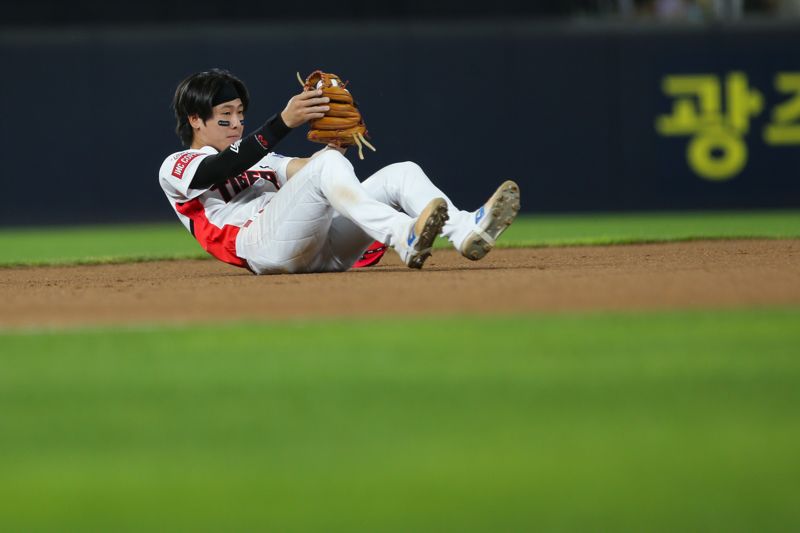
{"x":411,"y":172}
{"x":409,"y":168}
{"x":334,"y":168}
{"x":332,"y":163}
{"x":329,"y":157}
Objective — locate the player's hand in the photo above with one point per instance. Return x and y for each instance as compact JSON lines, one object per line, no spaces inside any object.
{"x":305,"y":106}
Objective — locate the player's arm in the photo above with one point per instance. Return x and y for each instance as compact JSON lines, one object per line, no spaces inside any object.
{"x":235,"y":159}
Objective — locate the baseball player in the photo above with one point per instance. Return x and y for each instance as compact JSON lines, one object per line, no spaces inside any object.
{"x":253,"y":208}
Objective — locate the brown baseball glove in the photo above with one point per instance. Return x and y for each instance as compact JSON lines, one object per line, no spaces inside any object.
{"x":343,"y":124}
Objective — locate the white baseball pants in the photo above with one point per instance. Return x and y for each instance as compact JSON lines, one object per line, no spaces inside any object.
{"x":323,"y":218}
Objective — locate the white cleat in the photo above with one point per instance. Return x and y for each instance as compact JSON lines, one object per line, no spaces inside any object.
{"x":491,"y":221}
{"x":417,"y":244}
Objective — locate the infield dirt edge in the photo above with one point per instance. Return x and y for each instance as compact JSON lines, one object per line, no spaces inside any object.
{"x":706,"y":274}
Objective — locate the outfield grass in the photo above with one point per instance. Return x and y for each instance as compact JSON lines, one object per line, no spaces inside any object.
{"x":657,"y":422}
{"x":101,"y":244}
{"x":560,"y":230}
{"x":171,"y":241}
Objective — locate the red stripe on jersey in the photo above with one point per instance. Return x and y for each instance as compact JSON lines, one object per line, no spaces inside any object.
{"x":219,"y":242}
{"x":183,"y":162}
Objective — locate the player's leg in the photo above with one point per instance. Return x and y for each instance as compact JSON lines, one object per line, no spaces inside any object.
{"x":289,"y":233}
{"x":405,"y":186}
{"x":292,"y":233}
{"x":348,"y":237}
{"x":346,"y":243}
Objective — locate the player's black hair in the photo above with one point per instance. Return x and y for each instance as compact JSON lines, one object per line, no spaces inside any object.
{"x":195,"y":96}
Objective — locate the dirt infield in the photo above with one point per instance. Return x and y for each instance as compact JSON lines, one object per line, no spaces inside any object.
{"x":714,"y":274}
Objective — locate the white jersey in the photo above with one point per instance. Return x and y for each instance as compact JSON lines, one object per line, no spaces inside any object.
{"x":215,"y":215}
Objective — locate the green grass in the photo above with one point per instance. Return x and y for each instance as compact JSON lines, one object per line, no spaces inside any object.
{"x":82,"y":245}
{"x":560,"y":230}
{"x":656,"y":422}
{"x":102,"y":244}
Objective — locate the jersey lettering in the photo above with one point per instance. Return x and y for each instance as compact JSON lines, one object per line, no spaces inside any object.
{"x":182,"y":162}
{"x":233,"y":186}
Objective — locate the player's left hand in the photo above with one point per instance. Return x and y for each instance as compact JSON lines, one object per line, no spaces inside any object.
{"x":301,"y":108}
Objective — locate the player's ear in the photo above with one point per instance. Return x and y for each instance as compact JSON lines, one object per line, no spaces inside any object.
{"x":195,"y":121}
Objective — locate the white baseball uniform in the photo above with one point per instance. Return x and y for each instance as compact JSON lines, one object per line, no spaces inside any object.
{"x":321,"y":220}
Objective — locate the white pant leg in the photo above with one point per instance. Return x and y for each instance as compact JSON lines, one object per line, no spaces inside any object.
{"x":292,"y":234}
{"x":405,"y":187}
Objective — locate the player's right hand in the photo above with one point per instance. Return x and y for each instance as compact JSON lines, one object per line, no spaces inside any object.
{"x":305,"y":106}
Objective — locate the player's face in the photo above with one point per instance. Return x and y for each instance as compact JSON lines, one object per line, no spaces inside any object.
{"x":224,"y":128}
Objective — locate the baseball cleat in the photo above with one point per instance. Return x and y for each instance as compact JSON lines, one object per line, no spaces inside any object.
{"x":491,"y":220}
{"x":417,"y":245}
